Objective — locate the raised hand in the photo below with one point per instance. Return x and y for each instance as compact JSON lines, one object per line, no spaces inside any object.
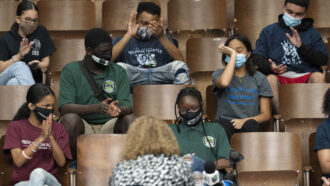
{"x":46,"y":128}
{"x":226,"y":50}
{"x":295,"y":38}
{"x":25,"y":47}
{"x":277,"y":69}
{"x":132,"y":26}
{"x":157,"y":28}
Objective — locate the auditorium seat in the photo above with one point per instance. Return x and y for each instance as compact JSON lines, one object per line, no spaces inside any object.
{"x":97,"y":156}
{"x":319,"y":11}
{"x":270,"y":158}
{"x":192,"y":19}
{"x":116,"y":14}
{"x":327,"y":74}
{"x":211,"y":103}
{"x":6,"y":168}
{"x":11,"y":99}
{"x":67,"y":50}
{"x":7,"y":14}
{"x":57,"y":15}
{"x":156,"y":100}
{"x":314,"y":168}
{"x":203,"y":58}
{"x":301,"y":111}
{"x":253,"y":15}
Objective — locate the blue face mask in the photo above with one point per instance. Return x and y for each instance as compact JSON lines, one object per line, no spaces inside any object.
{"x":291,"y":21}
{"x":240,"y":60}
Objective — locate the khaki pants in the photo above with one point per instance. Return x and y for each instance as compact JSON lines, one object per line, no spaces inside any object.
{"x":106,"y":128}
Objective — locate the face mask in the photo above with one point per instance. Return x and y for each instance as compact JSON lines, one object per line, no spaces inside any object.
{"x":144,"y":33}
{"x":240,"y":60}
{"x":42,"y":113}
{"x":104,"y":60}
{"x":28,"y":28}
{"x":291,"y":21}
{"x":192,"y":118}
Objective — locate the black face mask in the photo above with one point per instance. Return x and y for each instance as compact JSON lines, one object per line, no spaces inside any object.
{"x":42,"y":113}
{"x":192,"y":118}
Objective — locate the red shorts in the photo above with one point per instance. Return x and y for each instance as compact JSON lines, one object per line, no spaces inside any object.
{"x":301,"y":79}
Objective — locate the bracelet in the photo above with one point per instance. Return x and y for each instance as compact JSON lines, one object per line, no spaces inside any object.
{"x":13,"y":58}
{"x":26,"y":156}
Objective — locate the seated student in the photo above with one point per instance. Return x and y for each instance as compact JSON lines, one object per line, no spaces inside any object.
{"x":243,"y":93}
{"x":151,"y":157}
{"x":147,"y":54}
{"x":94,"y":93}
{"x":293,"y":50}
{"x":25,"y":48}
{"x":37,"y":144}
{"x":322,"y":140}
{"x":207,"y":141}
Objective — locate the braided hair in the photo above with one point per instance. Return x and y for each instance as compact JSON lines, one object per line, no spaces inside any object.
{"x":187,"y":91}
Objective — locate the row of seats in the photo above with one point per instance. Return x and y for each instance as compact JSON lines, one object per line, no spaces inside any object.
{"x":181,"y":15}
{"x":270,"y":158}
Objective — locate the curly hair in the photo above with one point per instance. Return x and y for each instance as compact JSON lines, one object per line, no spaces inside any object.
{"x":326,"y":102}
{"x":148,"y":135}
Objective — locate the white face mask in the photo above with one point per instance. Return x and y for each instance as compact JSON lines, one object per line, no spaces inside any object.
{"x":291,"y":21}
{"x":100,"y":61}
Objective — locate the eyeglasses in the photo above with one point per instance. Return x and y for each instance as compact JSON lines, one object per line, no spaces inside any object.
{"x":30,"y":21}
{"x":191,"y":109}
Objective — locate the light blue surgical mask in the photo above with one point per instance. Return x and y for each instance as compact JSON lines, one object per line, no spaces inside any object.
{"x":240,"y":60}
{"x":291,"y":21}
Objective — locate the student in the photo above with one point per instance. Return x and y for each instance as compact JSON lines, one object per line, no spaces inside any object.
{"x":292,"y":48}
{"x":322,"y":139}
{"x":147,"y":54}
{"x":37,"y":144}
{"x":151,"y":157}
{"x":207,"y":141}
{"x":84,"y":111}
{"x":243,"y":93}
{"x":25,"y":49}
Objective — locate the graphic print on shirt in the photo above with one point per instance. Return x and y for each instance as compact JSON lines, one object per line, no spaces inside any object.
{"x":145,"y":56}
{"x":43,"y":146}
{"x":290,"y":56}
{"x":241,"y":96}
{"x":209,"y":140}
{"x":35,"y":48}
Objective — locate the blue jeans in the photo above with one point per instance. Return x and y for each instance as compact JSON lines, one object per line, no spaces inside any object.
{"x":17,"y":74}
{"x":176,"y":72}
{"x":40,"y":177}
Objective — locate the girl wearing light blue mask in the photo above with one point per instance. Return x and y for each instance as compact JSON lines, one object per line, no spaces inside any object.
{"x":243,"y":93}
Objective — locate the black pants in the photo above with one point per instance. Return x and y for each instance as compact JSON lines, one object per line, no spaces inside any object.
{"x":250,"y":125}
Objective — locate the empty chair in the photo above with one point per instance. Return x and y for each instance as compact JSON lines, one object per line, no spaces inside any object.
{"x":11,"y":99}
{"x":7,"y":14}
{"x":253,"y":15}
{"x":187,"y":15}
{"x":155,"y":100}
{"x":68,"y":50}
{"x":319,"y":11}
{"x":270,"y":158}
{"x":301,"y":111}
{"x":203,"y":58}
{"x":59,"y":15}
{"x":97,"y":156}
{"x":192,"y":19}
